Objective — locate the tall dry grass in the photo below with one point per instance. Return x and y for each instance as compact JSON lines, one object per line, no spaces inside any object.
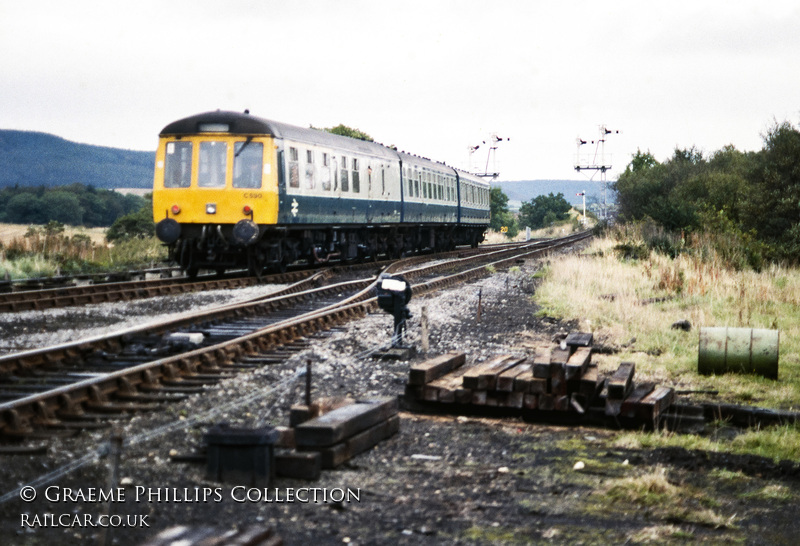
{"x":51,"y":250}
{"x":631,"y":304}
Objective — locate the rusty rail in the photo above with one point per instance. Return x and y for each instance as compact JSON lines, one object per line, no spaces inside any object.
{"x":50,"y":298}
{"x":84,"y":400}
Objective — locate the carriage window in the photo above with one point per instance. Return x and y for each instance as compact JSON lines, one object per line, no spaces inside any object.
{"x":178,"y":165}
{"x":325,"y":174}
{"x":294,"y":168}
{"x":345,"y":175}
{"x":356,"y":177}
{"x":310,"y":178}
{"x":248,"y":164}
{"x":212,"y":165}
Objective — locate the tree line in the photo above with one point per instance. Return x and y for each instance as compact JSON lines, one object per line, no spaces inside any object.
{"x":75,"y":204}
{"x":541,"y":211}
{"x":747,"y":204}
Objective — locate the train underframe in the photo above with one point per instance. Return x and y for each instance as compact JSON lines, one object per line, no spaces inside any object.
{"x":210,"y":246}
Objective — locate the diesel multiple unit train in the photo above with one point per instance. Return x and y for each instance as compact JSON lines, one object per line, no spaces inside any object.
{"x":232,"y":190}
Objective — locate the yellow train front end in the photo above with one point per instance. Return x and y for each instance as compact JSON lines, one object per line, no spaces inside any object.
{"x":215,"y":190}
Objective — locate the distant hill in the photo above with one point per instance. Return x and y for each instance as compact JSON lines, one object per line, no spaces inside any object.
{"x":30,"y":158}
{"x":39,"y":159}
{"x":520,"y":191}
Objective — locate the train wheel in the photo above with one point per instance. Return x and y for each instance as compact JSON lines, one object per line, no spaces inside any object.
{"x":187,"y":259}
{"x":254,"y":265}
{"x":279,"y":266}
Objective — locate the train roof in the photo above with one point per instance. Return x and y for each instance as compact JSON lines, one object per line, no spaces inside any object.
{"x":242,"y":123}
{"x":475,"y":179}
{"x":411,"y":159}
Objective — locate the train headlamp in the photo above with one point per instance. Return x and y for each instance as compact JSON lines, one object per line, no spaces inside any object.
{"x":248,"y":210}
{"x":175,"y":210}
{"x":211,"y":208}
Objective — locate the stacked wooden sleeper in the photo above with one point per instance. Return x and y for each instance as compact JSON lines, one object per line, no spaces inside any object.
{"x":348,"y":430}
{"x":560,"y":379}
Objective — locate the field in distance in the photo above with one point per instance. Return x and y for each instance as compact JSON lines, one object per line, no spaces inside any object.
{"x":9,"y":232}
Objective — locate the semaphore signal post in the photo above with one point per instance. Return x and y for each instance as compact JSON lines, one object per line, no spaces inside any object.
{"x":595,"y":161}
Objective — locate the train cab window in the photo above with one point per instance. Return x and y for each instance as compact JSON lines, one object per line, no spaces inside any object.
{"x":212,"y":165}
{"x":356,"y":177}
{"x":345,"y":175}
{"x":178,"y":165}
{"x":248,"y":164}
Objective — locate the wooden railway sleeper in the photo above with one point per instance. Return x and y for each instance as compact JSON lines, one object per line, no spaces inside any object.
{"x":187,"y":383}
{"x":170,"y":390}
{"x":15,"y":425}
{"x":223,"y":355}
{"x":188,"y":367}
{"x":149,"y":381}
{"x":69,"y":409}
{"x":127,"y":386}
{"x":98,"y":401}
{"x":273,"y":340}
{"x":44,"y":416}
{"x":169,"y":372}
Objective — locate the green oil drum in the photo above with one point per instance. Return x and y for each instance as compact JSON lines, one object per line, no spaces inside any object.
{"x":741,"y":350}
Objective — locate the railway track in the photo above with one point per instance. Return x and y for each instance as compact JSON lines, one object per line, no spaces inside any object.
{"x":83,"y":383}
{"x":65,"y":281}
{"x":30,"y":300}
{"x":106,"y":289}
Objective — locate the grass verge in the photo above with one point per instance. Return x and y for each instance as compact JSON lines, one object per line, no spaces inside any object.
{"x":630,"y":305}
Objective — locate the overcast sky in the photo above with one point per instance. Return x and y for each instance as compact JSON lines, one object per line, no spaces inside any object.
{"x":431,"y":77}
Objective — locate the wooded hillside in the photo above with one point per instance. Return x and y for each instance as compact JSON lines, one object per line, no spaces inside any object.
{"x":39,"y":159}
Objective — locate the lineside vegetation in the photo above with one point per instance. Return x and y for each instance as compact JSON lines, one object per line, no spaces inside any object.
{"x":53,"y":249}
{"x":629,"y":295}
